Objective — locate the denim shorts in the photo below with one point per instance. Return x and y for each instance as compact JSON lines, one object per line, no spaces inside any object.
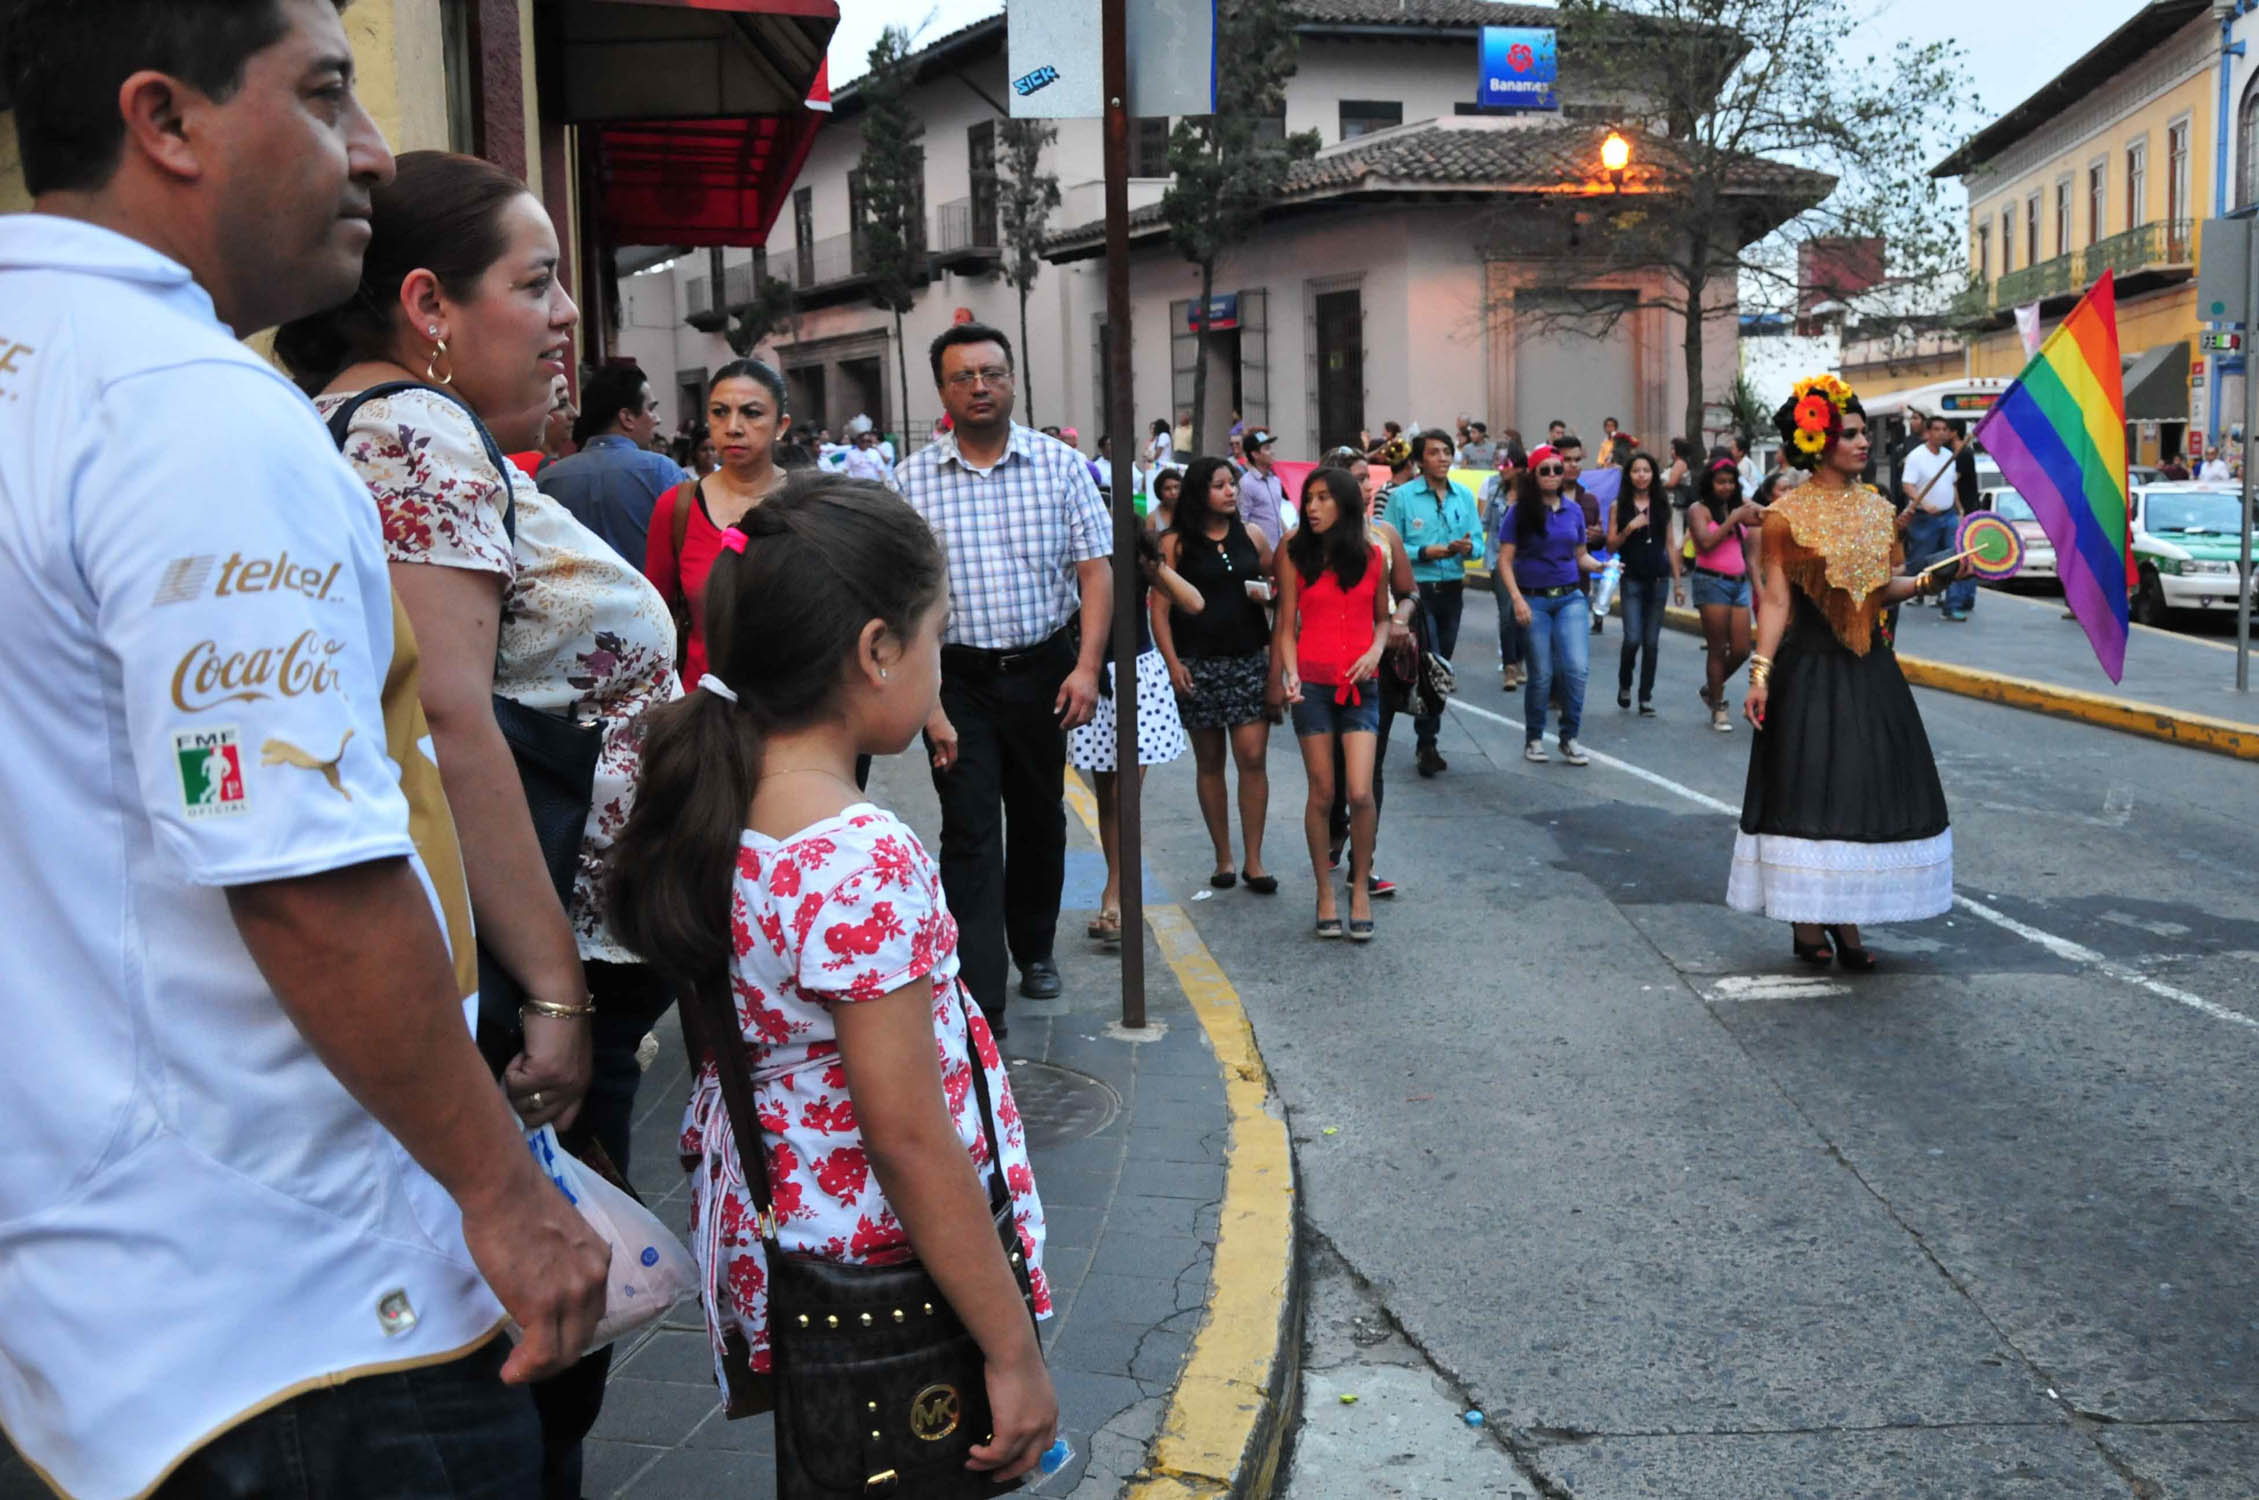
{"x":1318,"y":713}
{"x":1710,"y":588}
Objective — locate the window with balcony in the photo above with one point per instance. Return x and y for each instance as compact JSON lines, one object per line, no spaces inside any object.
{"x":2247,"y":147}
{"x":2137,"y":184}
{"x":1149,"y":146}
{"x":2176,"y":172}
{"x":2007,"y":240}
{"x":2097,"y":201}
{"x":803,"y":235}
{"x":1984,"y":252}
{"x":1364,"y":116}
{"x":2031,"y":230}
{"x":2063,"y":217}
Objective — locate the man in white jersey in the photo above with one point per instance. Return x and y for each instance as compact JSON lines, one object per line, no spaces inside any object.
{"x":263,"y":1209}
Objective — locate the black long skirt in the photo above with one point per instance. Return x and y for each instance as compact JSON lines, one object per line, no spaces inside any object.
{"x":1843,"y":818}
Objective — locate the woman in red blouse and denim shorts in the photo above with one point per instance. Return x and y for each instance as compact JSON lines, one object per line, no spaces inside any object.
{"x":1332,"y":627}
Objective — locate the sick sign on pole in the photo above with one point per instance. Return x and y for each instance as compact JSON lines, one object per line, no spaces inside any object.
{"x":1054,"y":48}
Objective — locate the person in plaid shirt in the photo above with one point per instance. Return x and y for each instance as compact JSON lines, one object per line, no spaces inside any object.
{"x":1028,"y":541}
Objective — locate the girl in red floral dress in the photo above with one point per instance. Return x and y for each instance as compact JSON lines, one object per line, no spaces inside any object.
{"x":751,"y":848}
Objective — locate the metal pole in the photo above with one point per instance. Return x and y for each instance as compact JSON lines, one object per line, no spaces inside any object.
{"x":1129,"y":590}
{"x":2250,"y":227}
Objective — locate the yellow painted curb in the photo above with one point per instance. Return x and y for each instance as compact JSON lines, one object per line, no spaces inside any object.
{"x":2127,"y":715}
{"x":1228,"y":1416}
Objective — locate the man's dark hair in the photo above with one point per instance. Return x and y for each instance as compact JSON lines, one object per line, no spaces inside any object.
{"x":610,"y":391}
{"x":968,"y":333}
{"x":1739,"y":444}
{"x":1478,"y":427}
{"x":1566,"y":441}
{"x":65,"y":60}
{"x":1958,"y":426}
{"x":1421,"y":439}
{"x":1556,"y":422}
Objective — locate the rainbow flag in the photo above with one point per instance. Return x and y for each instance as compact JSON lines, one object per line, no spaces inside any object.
{"x":2059,"y":436}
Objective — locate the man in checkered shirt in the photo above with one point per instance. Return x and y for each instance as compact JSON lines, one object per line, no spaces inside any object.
{"x":1028,"y":541}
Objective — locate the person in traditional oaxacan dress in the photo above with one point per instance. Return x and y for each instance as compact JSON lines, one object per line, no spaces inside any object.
{"x":1843,"y":820}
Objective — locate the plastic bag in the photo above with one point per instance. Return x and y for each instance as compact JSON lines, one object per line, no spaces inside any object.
{"x":650,"y":1267}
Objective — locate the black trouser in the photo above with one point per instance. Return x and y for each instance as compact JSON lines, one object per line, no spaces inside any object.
{"x":1337,"y":818}
{"x":629,"y":1000}
{"x":1441,"y":604}
{"x":1003,"y":812}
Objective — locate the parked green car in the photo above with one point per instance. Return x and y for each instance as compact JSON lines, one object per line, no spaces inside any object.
{"x":2186,"y":540}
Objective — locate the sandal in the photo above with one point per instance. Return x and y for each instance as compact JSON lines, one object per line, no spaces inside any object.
{"x":1329,"y":927}
{"x":1107,"y":928}
{"x":1857,"y":960}
{"x":1360,"y":932}
{"x":1819,"y":955}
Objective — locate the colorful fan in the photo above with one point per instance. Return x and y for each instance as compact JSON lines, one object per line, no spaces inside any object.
{"x":1991,"y":545}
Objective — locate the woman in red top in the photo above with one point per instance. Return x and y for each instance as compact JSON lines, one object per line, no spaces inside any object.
{"x":745,"y":415}
{"x":1332,"y":627}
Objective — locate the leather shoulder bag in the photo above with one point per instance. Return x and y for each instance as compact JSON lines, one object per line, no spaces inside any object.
{"x":878,"y":1387}
{"x":556,"y":760}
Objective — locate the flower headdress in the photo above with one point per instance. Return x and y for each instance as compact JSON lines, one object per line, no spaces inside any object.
{"x":1812,"y":419}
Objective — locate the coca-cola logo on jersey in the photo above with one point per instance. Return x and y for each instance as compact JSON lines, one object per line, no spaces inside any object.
{"x":209,"y":676}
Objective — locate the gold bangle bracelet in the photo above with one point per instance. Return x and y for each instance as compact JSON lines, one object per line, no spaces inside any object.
{"x":556,"y":1012}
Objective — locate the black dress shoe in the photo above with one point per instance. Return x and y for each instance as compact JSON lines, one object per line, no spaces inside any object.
{"x":996,"y":1026}
{"x":1429,"y":762}
{"x":1040,"y":980}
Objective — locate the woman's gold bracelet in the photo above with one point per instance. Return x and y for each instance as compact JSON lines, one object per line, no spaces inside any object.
{"x":556,"y":1012}
{"x":1758,"y":661}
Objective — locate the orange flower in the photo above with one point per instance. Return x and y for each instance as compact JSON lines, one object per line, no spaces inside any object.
{"x":1814,"y":413}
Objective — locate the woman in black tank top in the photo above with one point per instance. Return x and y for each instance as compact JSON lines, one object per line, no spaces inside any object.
{"x":1220,"y":660}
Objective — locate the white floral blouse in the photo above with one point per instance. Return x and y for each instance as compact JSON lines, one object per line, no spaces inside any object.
{"x":583,"y":634}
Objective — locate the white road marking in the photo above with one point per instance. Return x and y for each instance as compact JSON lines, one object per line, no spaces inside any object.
{"x":2061,"y":947}
{"x":1774,"y":987}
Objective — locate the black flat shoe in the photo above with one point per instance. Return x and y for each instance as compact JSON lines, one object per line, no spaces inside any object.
{"x":1360,"y":931}
{"x":1225,"y":881}
{"x":1623,"y":700}
{"x":1857,"y":960}
{"x":1818,"y":955}
{"x":1263,"y":885}
{"x":1040,"y":980}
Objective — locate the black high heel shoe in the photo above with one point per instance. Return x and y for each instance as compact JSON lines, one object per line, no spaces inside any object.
{"x":1857,"y":960}
{"x":1819,"y":955}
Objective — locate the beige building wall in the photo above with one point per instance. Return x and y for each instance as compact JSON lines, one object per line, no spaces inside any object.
{"x":14,"y":199}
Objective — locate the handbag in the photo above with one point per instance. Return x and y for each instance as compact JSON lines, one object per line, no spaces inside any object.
{"x":1417,"y":682}
{"x":879,"y":1389}
{"x":556,"y":760}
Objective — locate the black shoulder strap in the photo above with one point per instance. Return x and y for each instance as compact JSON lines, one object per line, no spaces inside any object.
{"x":712,"y":1029}
{"x":341,"y":423}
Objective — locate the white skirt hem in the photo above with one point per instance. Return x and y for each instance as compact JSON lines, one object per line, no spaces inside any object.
{"x":1837,"y":881}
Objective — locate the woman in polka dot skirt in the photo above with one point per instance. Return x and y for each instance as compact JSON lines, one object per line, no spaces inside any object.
{"x":1160,"y":733}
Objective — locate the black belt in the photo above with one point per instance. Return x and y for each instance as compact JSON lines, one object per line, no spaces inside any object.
{"x":1728,"y":577}
{"x":1445,"y":585}
{"x":978,"y":661}
{"x":1557,"y":591}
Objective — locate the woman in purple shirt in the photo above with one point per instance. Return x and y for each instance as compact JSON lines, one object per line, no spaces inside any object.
{"x":1543,"y":559}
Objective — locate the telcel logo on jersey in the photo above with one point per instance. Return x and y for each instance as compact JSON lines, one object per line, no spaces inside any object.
{"x":186,"y":578}
{"x":208,"y":677}
{"x":211,"y":772}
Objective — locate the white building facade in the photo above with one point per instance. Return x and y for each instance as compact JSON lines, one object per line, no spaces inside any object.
{"x":1425,"y":265}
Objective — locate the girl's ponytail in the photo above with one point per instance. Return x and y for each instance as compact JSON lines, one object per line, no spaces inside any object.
{"x":786,"y":604}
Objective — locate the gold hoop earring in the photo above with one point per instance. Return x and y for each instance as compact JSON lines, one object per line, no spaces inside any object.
{"x":431,"y":365}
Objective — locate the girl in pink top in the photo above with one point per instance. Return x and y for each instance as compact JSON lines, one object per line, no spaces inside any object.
{"x":753,"y":857}
{"x":1723,"y":525}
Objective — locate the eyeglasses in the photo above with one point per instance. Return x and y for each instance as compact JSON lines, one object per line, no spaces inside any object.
{"x":992,"y":375}
{"x":1553,"y":469}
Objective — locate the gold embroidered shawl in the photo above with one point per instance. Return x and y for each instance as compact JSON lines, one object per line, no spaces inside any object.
{"x":1840,"y":547}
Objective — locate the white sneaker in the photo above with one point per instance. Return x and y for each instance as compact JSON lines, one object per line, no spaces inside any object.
{"x":1721,"y":721}
{"x":1573,"y":753}
{"x":1535,"y":751}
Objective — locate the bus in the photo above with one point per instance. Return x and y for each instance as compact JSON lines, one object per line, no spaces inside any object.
{"x":1967,"y":399}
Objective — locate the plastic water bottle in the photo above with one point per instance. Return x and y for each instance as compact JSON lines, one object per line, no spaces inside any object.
{"x":1055,"y":1458}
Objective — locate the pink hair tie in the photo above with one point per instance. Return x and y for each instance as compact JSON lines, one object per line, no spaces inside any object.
{"x":733,"y":540}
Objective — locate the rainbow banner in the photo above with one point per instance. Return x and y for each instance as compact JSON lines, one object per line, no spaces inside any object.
{"x":2059,"y":436}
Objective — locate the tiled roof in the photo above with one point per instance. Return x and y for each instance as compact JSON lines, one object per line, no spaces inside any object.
{"x":1485,"y":155}
{"x":1420,"y":13}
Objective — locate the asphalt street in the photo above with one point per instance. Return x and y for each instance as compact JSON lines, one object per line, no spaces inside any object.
{"x":1684,"y":1220}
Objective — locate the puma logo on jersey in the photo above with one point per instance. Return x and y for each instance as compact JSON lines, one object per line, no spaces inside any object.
{"x":284,"y":753}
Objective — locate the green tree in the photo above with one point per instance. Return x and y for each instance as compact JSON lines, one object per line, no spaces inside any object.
{"x":775,"y":305}
{"x":1756,"y":130}
{"x":1025,"y":196}
{"x":890,"y":187}
{"x":1231,"y":165}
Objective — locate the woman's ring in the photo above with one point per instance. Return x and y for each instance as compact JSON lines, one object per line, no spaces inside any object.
{"x":533,"y":1100}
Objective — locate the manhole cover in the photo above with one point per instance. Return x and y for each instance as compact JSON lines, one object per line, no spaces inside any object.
{"x":1058,"y":1104}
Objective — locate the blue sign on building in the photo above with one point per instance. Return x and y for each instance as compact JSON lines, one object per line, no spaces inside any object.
{"x":1518,"y":68}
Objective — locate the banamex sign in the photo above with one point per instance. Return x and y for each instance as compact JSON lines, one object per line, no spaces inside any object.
{"x":1519,"y":68}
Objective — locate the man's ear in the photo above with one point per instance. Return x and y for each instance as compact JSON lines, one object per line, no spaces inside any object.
{"x":154,"y":107}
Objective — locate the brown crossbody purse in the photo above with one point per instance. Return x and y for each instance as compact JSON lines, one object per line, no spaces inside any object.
{"x":878,"y":1388}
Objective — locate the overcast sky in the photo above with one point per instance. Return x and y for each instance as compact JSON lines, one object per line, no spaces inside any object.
{"x":2009,"y":56}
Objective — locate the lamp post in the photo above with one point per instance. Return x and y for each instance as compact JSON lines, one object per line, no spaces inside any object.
{"x":1615,"y":156}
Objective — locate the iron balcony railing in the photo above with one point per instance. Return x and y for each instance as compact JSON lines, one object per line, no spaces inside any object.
{"x":966,"y":224}
{"x":2159,"y":245}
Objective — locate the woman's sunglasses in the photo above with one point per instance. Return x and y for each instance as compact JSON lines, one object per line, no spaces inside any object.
{"x":1556,"y":470}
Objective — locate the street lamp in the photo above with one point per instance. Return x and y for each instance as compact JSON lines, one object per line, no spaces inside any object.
{"x":1615,"y":155}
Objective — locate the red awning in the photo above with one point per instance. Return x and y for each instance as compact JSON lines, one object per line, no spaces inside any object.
{"x":700,"y":182}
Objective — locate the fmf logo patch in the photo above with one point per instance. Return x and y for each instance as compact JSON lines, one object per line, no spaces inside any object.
{"x":211,"y":772}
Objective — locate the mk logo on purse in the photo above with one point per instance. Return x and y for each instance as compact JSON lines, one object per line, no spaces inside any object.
{"x":935,"y":1412}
